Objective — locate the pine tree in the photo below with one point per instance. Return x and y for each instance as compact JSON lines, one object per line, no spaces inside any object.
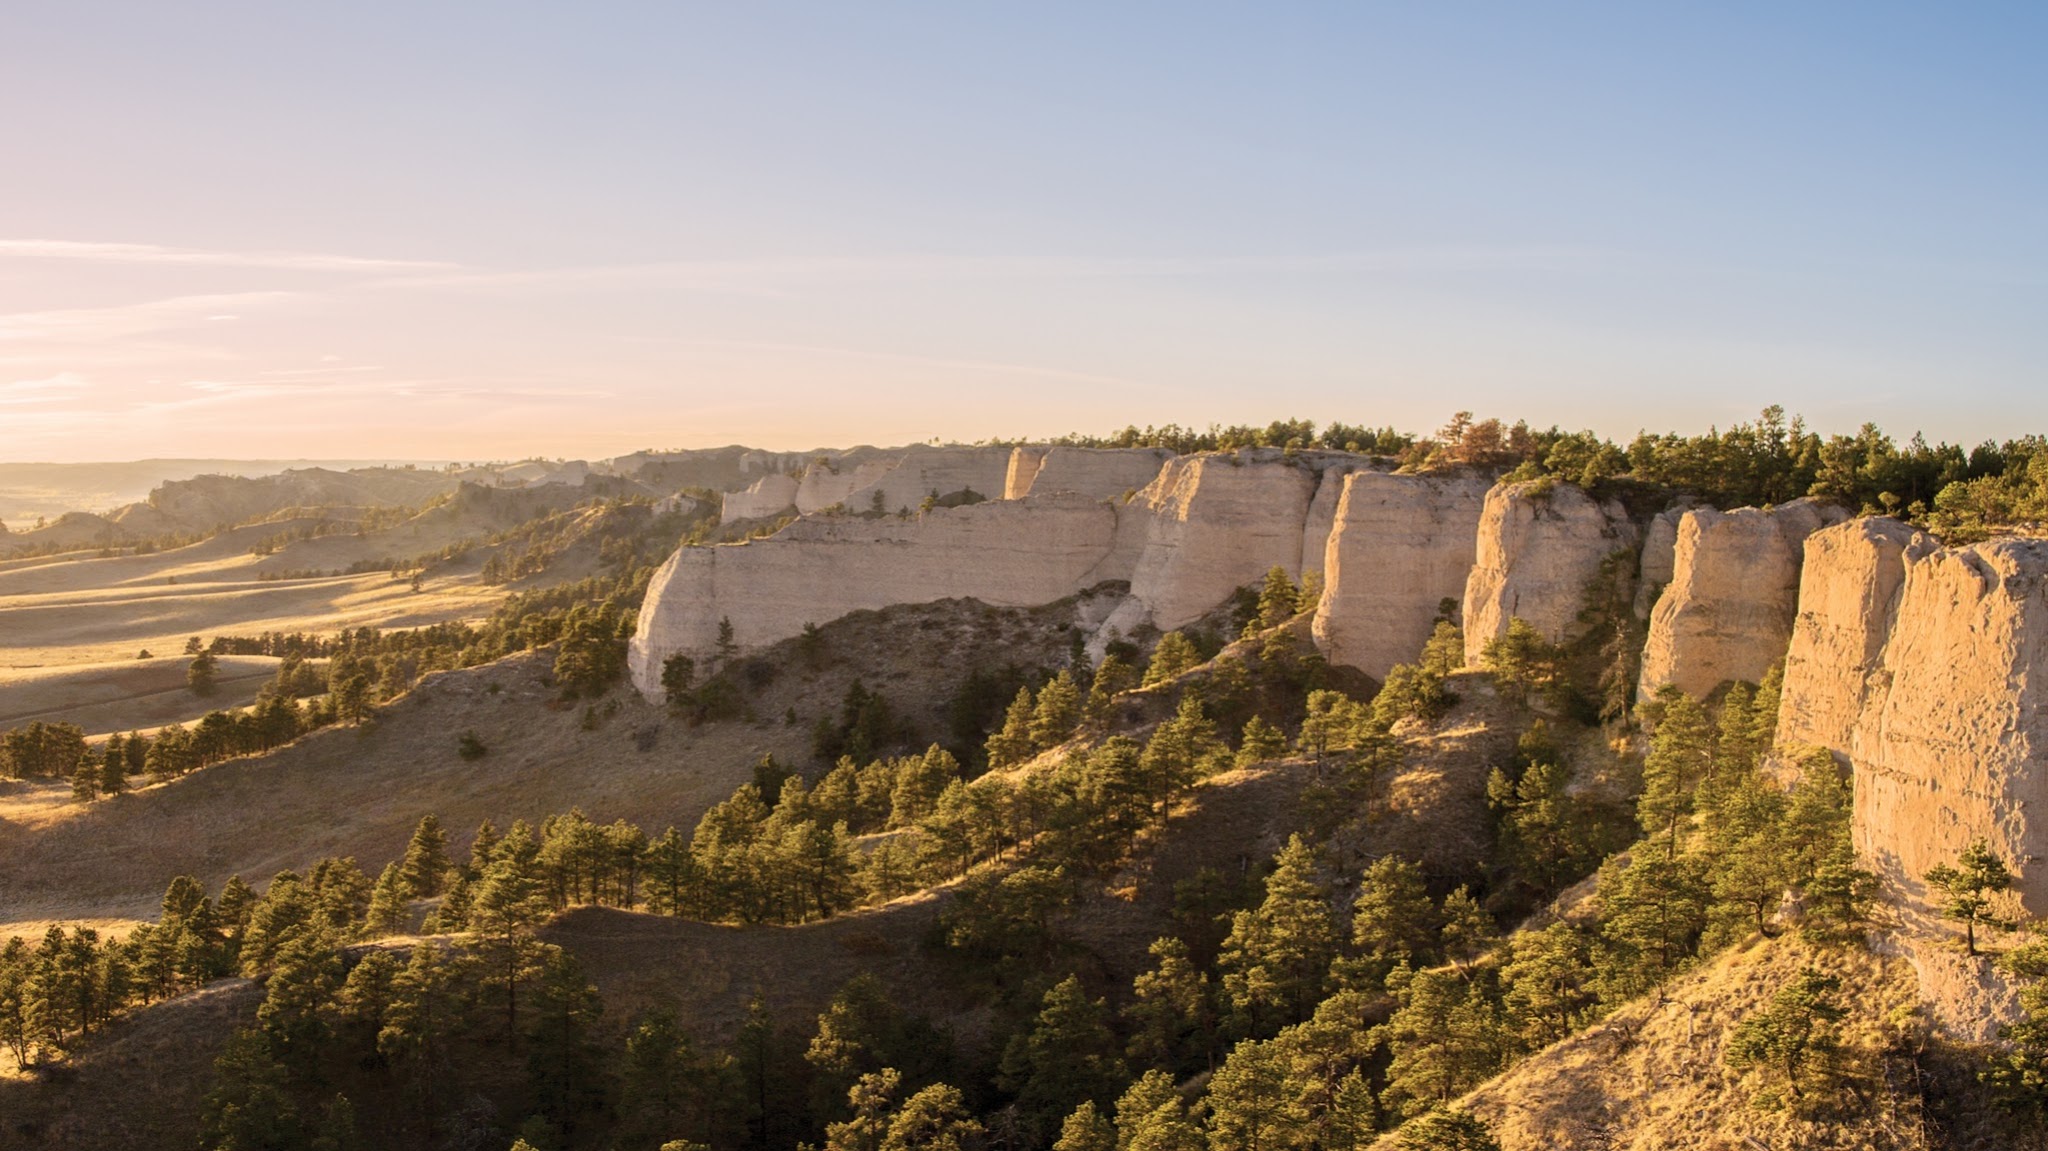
{"x":420,"y":1019}
{"x":250,"y":1104}
{"x":1173,"y":655}
{"x":203,"y":673}
{"x":1171,"y":1014}
{"x":1393,"y":920}
{"x":1251,"y":1100}
{"x":1276,"y":960}
{"x":388,"y":914}
{"x":426,"y":867}
{"x":85,"y":780}
{"x":1086,"y":1130}
{"x":564,"y":1063}
{"x":870,"y":1099}
{"x":113,"y":770}
{"x":934,"y":1119}
{"x":1794,"y":1039}
{"x":1445,"y":1035}
{"x":1113,"y":677}
{"x":1056,"y":713}
{"x":1446,"y":1129}
{"x":1150,"y":1116}
{"x":1261,"y":742}
{"x":1012,"y":744}
{"x":1967,"y":888}
{"x":1681,"y":754}
{"x":508,"y":904}
{"x":1279,"y":598}
{"x":1547,"y":981}
{"x":1468,"y":931}
{"x":1178,"y":753}
{"x":1069,"y":1054}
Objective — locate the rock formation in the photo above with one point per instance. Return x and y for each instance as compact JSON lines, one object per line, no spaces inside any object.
{"x":1660,"y":547}
{"x":831,"y":482}
{"x":1401,"y":545}
{"x":1103,"y":473}
{"x":1210,"y":524}
{"x":1540,"y":544}
{"x":1728,"y":611}
{"x":769,"y":496}
{"x":1025,"y":460}
{"x":1927,"y":669}
{"x":1012,"y":553}
{"x":1202,"y":527}
{"x":1848,"y":597}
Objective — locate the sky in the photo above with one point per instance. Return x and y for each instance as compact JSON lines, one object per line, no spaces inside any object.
{"x":461,"y":230}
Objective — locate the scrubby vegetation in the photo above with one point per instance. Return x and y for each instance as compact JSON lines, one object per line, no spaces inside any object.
{"x":1344,"y":986}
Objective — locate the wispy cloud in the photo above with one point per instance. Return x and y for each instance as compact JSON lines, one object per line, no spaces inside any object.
{"x":48,"y":390}
{"x":123,"y":321}
{"x":199,"y":257}
{"x":780,"y":277}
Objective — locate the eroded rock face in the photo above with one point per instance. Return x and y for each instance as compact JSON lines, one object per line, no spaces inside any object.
{"x":1401,"y":545}
{"x":1210,"y":524}
{"x":771,"y":495}
{"x":1019,"y":553}
{"x":1024,"y":464}
{"x":927,"y":471}
{"x":1539,"y":546}
{"x":1728,"y":611}
{"x":1660,"y":547}
{"x":1103,"y":473}
{"x":830,"y":483}
{"x":1927,"y":669}
{"x":1849,"y":587}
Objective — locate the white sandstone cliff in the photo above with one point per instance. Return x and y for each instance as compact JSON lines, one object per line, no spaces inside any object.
{"x":1927,"y":669}
{"x":1210,"y":524}
{"x":1102,"y":473}
{"x":771,"y":495}
{"x":1401,"y":545}
{"x":1009,"y":553}
{"x":1539,"y":546}
{"x":1728,"y":611}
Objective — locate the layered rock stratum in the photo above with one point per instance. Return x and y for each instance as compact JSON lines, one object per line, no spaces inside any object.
{"x":1399,"y":547}
{"x":1728,"y":610}
{"x":1926,"y":670}
{"x":1540,"y":545}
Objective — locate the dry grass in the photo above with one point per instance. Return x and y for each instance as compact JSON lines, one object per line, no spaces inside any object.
{"x":359,"y":791}
{"x":129,"y":695}
{"x":1650,"y":1077}
{"x":137,"y":1085}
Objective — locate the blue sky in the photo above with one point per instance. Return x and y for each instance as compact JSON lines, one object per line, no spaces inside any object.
{"x":467,"y":230}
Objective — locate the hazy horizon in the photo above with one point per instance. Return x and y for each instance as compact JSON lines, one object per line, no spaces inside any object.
{"x":502,"y":231}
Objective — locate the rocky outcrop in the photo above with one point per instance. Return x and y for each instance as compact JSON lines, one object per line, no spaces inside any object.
{"x":1210,"y":524}
{"x":1848,"y":599}
{"x":935,"y":472}
{"x":1019,"y":553}
{"x":831,"y":482}
{"x":769,"y":496}
{"x":1401,"y":545}
{"x":1103,"y":473}
{"x":1927,"y":669}
{"x":1660,"y":548}
{"x":1728,"y":611}
{"x":1322,"y":516}
{"x":1540,"y":545}
{"x":1024,"y":464}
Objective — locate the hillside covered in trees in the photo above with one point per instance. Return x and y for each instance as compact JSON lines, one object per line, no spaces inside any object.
{"x":1203,"y":887}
